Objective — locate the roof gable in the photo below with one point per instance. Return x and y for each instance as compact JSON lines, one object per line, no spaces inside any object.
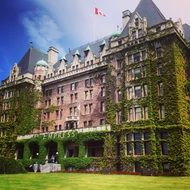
{"x":28,"y":62}
{"x":147,"y":9}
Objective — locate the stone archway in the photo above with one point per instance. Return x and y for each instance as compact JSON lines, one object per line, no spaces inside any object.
{"x":19,"y":151}
{"x":51,"y":148}
{"x":34,"y":150}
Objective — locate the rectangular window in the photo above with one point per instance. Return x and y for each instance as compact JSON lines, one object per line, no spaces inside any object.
{"x":76,"y":96}
{"x":71,"y":98}
{"x":145,"y":90}
{"x":162,"y":112}
{"x":119,"y":117}
{"x":62,"y":100}
{"x":102,"y":121}
{"x":138,"y":115}
{"x":102,"y":107}
{"x":57,"y":114}
{"x":102,"y":92}
{"x":89,"y":82}
{"x":160,"y":89}
{"x":130,"y":59}
{"x":90,"y":108}
{"x":138,"y":148}
{"x":86,"y":95}
{"x":164,"y":143}
{"x":130,"y":114}
{"x":90,"y":123}
{"x":103,"y":79}
{"x":160,"y":69}
{"x":85,"y":124}
{"x":129,"y":93}
{"x":74,"y":86}
{"x":91,"y":94}
{"x":137,"y":57}
{"x":85,"y":109}
{"x":145,"y":113}
{"x":138,"y":93}
{"x":137,"y":73}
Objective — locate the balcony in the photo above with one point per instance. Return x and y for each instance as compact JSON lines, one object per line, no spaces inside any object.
{"x":72,"y":118}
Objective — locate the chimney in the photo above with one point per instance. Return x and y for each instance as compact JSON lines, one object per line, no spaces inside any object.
{"x":52,"y":55}
{"x":125,"y":17}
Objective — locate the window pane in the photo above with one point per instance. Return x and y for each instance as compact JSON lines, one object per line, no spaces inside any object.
{"x":138,"y":114}
{"x":129,"y":137}
{"x":137,"y":136}
{"x":137,"y":73}
{"x":138,"y":148}
{"x":164,"y":147}
{"x":129,"y":149}
{"x":137,"y":91}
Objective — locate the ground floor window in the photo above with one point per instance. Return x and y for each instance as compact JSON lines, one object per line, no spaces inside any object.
{"x":138,"y":143}
{"x":94,"y":148}
{"x":71,"y":150}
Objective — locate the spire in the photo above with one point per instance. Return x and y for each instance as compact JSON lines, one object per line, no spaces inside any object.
{"x":148,"y":9}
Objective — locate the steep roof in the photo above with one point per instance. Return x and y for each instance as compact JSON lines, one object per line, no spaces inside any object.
{"x":92,"y":46}
{"x":28,"y":62}
{"x":148,"y":9}
{"x":186,"y":29}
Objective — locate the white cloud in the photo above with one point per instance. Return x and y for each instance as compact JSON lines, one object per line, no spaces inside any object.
{"x":43,"y":30}
{"x":76,"y":19}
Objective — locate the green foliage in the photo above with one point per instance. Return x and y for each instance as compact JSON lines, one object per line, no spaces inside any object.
{"x":10,"y":166}
{"x":23,"y":117}
{"x":76,"y":163}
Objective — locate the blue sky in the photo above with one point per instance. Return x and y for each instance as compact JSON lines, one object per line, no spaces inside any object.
{"x":64,"y":24}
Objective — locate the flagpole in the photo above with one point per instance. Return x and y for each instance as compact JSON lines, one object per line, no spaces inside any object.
{"x":94,"y":22}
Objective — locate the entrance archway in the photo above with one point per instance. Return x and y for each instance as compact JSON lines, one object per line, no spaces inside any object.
{"x":51,"y":147}
{"x":34,"y":150}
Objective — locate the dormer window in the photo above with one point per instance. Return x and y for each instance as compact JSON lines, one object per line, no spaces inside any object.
{"x":86,"y":51}
{"x":137,"y":22}
{"x":134,"y":34}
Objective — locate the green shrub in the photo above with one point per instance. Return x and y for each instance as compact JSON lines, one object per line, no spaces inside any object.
{"x":76,"y":163}
{"x":10,"y":166}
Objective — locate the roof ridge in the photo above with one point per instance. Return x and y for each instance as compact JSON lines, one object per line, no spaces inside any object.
{"x":89,"y":43}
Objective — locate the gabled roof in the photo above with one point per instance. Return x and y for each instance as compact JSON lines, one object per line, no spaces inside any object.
{"x":93,"y":46}
{"x":148,"y":9}
{"x":28,"y":62}
{"x":186,"y":29}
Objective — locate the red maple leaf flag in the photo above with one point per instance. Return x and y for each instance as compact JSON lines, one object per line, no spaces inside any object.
{"x":98,"y":12}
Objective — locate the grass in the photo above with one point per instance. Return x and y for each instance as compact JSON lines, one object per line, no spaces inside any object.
{"x":59,"y":181}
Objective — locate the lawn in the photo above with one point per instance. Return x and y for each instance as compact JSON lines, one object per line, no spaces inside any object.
{"x":66,"y":181}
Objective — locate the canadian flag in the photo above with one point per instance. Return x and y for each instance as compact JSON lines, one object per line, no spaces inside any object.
{"x":98,"y":12}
